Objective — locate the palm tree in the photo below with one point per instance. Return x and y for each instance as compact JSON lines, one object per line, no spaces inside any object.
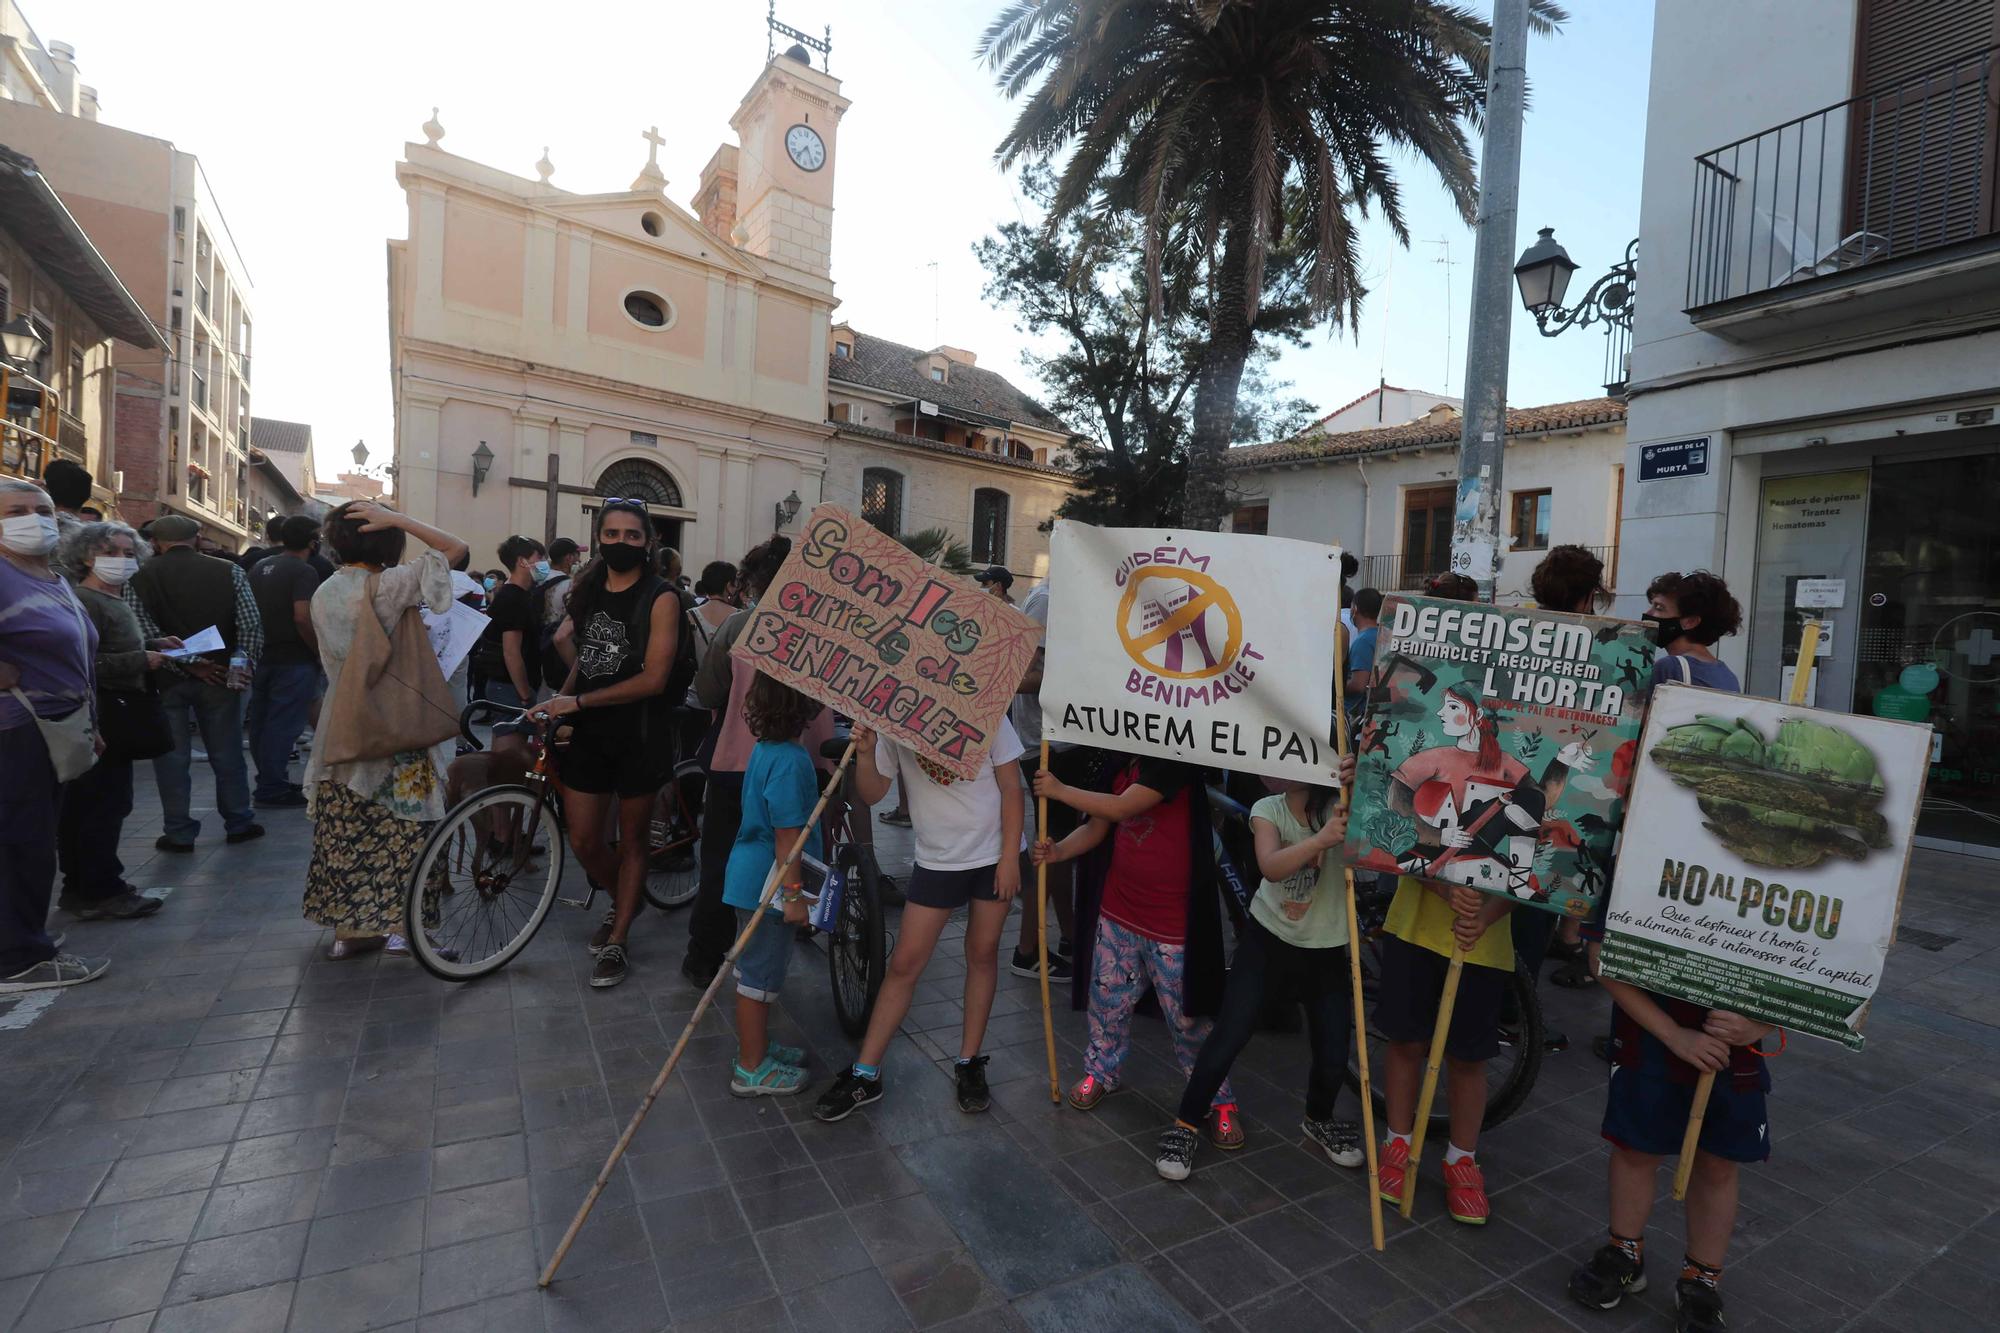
{"x":1234,"y":127}
{"x":938,"y":547}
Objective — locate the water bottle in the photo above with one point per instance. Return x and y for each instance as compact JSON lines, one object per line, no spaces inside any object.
{"x":239,"y":670}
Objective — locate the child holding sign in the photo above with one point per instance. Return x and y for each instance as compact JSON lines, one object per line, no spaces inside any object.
{"x":968,"y":834}
{"x":1296,"y":941}
{"x":1156,"y":916}
{"x":780,"y":789}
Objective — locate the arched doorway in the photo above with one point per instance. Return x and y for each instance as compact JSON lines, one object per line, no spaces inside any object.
{"x":650,"y":485}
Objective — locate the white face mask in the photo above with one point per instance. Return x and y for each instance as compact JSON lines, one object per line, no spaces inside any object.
{"x":29,"y":534}
{"x":114,"y":569}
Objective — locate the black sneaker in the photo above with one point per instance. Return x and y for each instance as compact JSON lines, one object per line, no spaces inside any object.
{"x":1065,"y":950}
{"x":248,"y":833}
{"x":973,"y":1094}
{"x":1175,"y":1160}
{"x":849,"y":1091}
{"x":609,"y":968}
{"x":1027,"y":965}
{"x":697,"y":975}
{"x":1609,"y":1277}
{"x":165,"y":844}
{"x":1697,"y":1307}
{"x":1341,"y":1140}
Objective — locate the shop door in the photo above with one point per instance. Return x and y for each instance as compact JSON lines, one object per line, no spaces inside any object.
{"x":1930,"y":632}
{"x":1811,"y":527}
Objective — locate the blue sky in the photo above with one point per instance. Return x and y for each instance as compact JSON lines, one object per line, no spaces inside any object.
{"x":301,"y":152}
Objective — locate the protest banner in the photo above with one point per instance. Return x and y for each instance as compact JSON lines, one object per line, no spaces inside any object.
{"x":1208,"y":647}
{"x":1763,"y":862}
{"x":857,"y":621}
{"x":1496,"y":749}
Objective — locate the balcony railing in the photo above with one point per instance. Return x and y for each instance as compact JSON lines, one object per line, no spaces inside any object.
{"x":1885,"y":175}
{"x":1408,"y":573}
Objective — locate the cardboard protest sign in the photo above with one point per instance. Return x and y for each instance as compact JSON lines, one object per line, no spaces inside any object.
{"x":1763,"y":861}
{"x":1496,"y":748}
{"x":1210,"y":647}
{"x":856,"y":621}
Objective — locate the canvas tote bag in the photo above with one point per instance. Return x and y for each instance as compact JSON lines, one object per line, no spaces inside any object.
{"x":392,"y":697}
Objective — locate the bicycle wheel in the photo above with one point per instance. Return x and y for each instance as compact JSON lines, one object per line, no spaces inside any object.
{"x":673,"y":862}
{"x":856,"y":948}
{"x":481,"y":887}
{"x":1510,"y":1075}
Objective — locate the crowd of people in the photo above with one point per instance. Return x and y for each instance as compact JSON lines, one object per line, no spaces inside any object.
{"x":607,"y":643}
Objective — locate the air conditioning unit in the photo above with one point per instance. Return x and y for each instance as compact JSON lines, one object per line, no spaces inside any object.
{"x":118,"y":482}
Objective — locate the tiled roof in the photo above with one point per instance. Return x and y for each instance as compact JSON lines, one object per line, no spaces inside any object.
{"x":1425,"y":431}
{"x":893,"y":368}
{"x":280,"y":437}
{"x":940,"y":447}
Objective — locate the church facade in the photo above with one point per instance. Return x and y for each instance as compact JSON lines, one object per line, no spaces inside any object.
{"x":550,"y":349}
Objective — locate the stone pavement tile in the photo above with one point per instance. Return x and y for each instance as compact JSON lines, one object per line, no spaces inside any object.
{"x":1296,"y":1241}
{"x":680,"y":1169}
{"x":163,"y":1173}
{"x":621,"y":1300}
{"x":477,"y":1269}
{"x":762,"y":1152}
{"x":765,"y":1316}
{"x":113,"y":1229}
{"x":1288,"y":1307}
{"x":1120,"y":1297}
{"x":257,"y":1311}
{"x":556,"y":1195}
{"x":869,"y":1178}
{"x":900,"y":1229}
{"x":811,"y":1252}
{"x":938,"y":1288}
{"x":479,"y":1162}
{"x":29,"y":1192}
{"x":1915,"y":1306}
{"x":858,"y":1303}
{"x":611,"y":1238}
{"x":79,"y":1145}
{"x":486,"y":1118}
{"x":283,"y":1114}
{"x":104,"y":1105}
{"x":187,"y":1094}
{"x":238,"y":1263}
{"x":30,"y":1245}
{"x":255,"y":1204}
{"x":350,"y":1240}
{"x":997,"y":1200}
{"x":784,"y":1197}
{"x":1499,"y":1246}
{"x":701,"y":1218}
{"x":276,"y":1155}
{"x":224,"y":1056}
{"x":1228,"y":1268}
{"x":517,"y":1312}
{"x":482,"y":1210}
{"x":353,"y":1299}
{"x":92,"y":1293}
{"x":704,"y":1278}
{"x":381,"y":1180}
{"x":1370,"y":1297}
{"x":14,"y":1294}
{"x":1112,"y":1169}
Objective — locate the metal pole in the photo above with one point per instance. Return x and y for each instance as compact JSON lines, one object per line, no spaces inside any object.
{"x":1475,"y":543}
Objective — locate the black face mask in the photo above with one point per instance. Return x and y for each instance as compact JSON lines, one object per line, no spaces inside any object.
{"x":1665,"y":631}
{"x":622,"y":557}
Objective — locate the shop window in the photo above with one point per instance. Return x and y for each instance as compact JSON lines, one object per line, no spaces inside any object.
{"x":882,"y":499}
{"x":1531,"y":520}
{"x":989,"y":527}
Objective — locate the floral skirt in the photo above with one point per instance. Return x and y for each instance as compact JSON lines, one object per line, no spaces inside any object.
{"x":362,"y":856}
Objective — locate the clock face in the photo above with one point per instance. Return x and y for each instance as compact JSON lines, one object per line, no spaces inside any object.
{"x":807,"y":149}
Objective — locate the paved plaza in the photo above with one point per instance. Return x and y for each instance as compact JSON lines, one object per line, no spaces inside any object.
{"x":228,"y":1132}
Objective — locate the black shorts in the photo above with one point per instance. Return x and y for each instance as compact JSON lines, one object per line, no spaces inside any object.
{"x":1647,"y":1110}
{"x":1412,"y":982}
{"x":601,"y":763}
{"x":949,"y":890}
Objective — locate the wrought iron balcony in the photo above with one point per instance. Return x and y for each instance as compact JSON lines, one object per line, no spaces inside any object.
{"x":1885,"y":177}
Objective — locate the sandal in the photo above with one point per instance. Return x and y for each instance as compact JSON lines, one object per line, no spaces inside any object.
{"x":769,"y":1079}
{"x":342,"y":950}
{"x":1089,"y":1091}
{"x":794,"y":1056}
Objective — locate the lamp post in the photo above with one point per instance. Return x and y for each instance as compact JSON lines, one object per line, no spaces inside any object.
{"x":360,"y":453}
{"x":1543,"y":273}
{"x":788,"y":509}
{"x":482,"y":463}
{"x":22,"y":342}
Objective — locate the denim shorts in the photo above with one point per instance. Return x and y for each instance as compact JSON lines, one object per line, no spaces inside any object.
{"x":760,"y":970}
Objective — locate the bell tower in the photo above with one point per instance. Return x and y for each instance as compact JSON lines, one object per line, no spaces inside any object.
{"x":787,"y":126}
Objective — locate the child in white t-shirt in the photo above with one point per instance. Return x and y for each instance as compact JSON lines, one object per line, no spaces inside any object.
{"x":968,"y":834}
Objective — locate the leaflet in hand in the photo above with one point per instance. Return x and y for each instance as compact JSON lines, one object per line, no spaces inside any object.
{"x":208,"y":641}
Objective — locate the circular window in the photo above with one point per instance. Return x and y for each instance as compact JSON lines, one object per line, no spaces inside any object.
{"x":646,"y":309}
{"x":653,"y":223}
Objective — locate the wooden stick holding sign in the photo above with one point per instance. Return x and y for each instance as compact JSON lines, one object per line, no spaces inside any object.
{"x":1354,"y":946}
{"x":1704,"y":1086}
{"x":1042,"y":936}
{"x":701,"y":1007}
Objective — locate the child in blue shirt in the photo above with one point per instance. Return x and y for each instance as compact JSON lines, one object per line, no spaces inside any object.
{"x":780,"y":789}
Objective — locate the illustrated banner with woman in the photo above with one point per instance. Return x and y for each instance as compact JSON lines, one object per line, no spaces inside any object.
{"x":1497,"y":748}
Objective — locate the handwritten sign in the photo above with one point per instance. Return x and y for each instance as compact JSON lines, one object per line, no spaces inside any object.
{"x":858,"y":622}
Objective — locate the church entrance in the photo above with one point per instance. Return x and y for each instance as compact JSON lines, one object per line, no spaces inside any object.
{"x":650,"y":485}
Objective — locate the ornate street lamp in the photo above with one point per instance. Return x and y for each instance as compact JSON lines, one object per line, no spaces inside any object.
{"x":22,"y":342}
{"x":482,"y":463}
{"x":788,"y":509}
{"x":1543,"y":273}
{"x":360,"y":452}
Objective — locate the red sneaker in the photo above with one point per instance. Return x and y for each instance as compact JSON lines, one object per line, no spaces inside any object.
{"x":1389,"y":1168}
{"x":1465,"y":1193}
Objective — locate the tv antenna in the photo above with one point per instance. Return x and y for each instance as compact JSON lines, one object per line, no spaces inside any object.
{"x":1445,"y":259}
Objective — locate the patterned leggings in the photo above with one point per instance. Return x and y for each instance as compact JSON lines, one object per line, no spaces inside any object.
{"x":1123,"y":962}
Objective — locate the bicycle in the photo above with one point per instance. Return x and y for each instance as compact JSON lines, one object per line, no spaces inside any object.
{"x":1510,"y":1076}
{"x":857,"y":947}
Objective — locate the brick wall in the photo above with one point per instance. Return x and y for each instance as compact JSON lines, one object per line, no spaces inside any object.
{"x":140,"y":448}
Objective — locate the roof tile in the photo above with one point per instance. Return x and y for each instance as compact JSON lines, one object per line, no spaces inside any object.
{"x":891,"y":367}
{"x":1520,"y":421}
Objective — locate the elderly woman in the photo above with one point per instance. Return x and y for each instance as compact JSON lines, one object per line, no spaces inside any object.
{"x":103,"y":557}
{"x":47,"y":649}
{"x":370,"y":817}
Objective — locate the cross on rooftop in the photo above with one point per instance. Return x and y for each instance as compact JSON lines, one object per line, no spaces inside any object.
{"x":652,"y":137}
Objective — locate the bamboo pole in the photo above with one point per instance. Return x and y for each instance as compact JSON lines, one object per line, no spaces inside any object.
{"x":1042,"y":936}
{"x":1446,"y":1003}
{"x":1360,"y":1018}
{"x":701,"y":1007}
{"x":1704,"y":1086}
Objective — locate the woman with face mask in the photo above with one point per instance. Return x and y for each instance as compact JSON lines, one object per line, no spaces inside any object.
{"x":47,"y":678}
{"x":94,"y":806}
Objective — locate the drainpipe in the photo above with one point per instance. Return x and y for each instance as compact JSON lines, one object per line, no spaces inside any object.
{"x":1367,"y":507}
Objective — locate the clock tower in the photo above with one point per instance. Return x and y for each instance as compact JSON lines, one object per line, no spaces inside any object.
{"x":787,"y":126}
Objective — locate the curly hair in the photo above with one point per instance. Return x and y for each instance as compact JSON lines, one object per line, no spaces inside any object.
{"x":1568,"y":577}
{"x":761,"y":565}
{"x":82,"y":543}
{"x":774,"y":711}
{"x":1700,"y":594}
{"x":1453,"y":587}
{"x":352,"y":546}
